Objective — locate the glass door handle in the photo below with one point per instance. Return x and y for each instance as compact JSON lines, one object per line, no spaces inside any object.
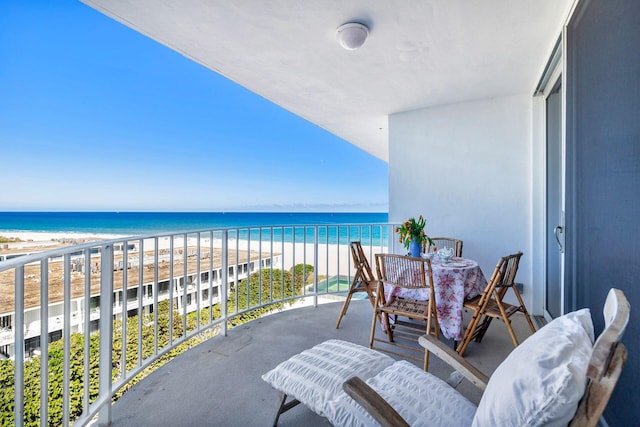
{"x":556,"y":232}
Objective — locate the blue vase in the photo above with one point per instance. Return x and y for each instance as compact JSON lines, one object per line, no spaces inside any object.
{"x":415,"y":249}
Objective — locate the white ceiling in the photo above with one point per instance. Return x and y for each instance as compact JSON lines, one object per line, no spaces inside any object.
{"x":419,"y":53}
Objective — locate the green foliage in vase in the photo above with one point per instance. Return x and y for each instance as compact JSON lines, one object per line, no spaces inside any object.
{"x":412,"y":230}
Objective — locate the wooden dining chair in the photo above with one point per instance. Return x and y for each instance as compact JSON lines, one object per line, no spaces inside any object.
{"x":490,"y":303}
{"x":363,"y":279}
{"x":413,"y":274}
{"x":445,"y":242}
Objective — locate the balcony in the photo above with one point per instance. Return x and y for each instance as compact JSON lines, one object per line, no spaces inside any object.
{"x":175,"y":279}
{"x":219,"y":382}
{"x":482,"y":130}
{"x":69,"y":291}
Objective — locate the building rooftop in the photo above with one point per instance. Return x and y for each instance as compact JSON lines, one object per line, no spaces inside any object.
{"x":56,"y":273}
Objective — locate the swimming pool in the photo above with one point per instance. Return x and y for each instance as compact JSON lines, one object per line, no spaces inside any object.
{"x":337,"y":283}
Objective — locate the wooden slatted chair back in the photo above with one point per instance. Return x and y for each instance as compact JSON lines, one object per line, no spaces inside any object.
{"x":446,"y":242}
{"x":404,"y":271}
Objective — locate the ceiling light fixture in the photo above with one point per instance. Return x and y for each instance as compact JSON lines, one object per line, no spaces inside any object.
{"x":352,"y":35}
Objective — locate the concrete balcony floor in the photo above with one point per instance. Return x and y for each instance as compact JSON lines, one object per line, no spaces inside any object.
{"x":219,"y":382}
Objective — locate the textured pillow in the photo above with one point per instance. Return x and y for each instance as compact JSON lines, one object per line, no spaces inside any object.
{"x":419,"y":397}
{"x":315,"y":376}
{"x":543,"y":379}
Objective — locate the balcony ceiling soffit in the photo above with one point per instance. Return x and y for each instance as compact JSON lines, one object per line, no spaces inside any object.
{"x":419,"y":54}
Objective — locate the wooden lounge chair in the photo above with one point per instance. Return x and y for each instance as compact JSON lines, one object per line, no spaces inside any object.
{"x":363,"y":279}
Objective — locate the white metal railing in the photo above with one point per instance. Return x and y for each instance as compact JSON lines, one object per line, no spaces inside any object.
{"x":93,"y":282}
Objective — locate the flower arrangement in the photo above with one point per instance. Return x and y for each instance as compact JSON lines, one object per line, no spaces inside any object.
{"x":413,"y":231}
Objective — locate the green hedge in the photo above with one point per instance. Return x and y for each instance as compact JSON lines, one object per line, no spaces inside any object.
{"x":258,"y":290}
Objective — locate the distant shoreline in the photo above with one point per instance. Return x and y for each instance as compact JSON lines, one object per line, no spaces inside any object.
{"x":151,"y":223}
{"x":50,"y":236}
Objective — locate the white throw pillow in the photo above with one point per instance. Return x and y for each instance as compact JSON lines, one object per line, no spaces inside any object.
{"x":419,"y":397}
{"x":543,"y":379}
{"x":315,"y":376}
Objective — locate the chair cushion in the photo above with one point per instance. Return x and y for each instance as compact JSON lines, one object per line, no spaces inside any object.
{"x":315,"y":376}
{"x":543,"y":379}
{"x":419,"y":397}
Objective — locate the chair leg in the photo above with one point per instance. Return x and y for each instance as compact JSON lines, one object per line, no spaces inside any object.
{"x":380,"y":320}
{"x":345,"y":306}
{"x":370,"y":294}
{"x":284,"y":407}
{"x":376,"y":323}
{"x":462,"y":345}
{"x":425,"y":365}
{"x":388,"y":327}
{"x":524,"y":311}
{"x":357,"y":280}
{"x":482,"y":328}
{"x":507,"y":322}
{"x":373,"y":327}
{"x":379,"y":317}
{"x":526,"y":316}
{"x":433,"y":317}
{"x":468,"y":333}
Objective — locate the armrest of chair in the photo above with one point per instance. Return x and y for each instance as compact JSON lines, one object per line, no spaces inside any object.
{"x":453,"y":359}
{"x":373,"y":403}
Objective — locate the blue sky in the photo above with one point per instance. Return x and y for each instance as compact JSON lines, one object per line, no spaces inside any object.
{"x":94,"y":116}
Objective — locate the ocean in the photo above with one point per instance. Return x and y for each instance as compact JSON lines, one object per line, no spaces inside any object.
{"x":144,"y":223}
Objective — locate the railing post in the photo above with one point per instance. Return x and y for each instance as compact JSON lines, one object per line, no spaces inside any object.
{"x":86,"y":329}
{"x":66,"y":339}
{"x":44,"y":342}
{"x":106,"y":332}
{"x":141,"y":288}
{"x":224,"y":279}
{"x":315,"y":266}
{"x":185,"y":274}
{"x":18,"y":328}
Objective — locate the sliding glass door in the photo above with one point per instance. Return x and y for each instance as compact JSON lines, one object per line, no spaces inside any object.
{"x":554,"y":244}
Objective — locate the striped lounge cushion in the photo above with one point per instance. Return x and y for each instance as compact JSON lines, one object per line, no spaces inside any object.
{"x":419,"y":397}
{"x":316,"y":375}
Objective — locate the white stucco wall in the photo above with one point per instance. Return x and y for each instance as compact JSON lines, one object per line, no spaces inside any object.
{"x":468,"y":169}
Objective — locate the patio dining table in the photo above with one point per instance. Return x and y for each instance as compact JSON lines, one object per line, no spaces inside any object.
{"x":453,"y":281}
